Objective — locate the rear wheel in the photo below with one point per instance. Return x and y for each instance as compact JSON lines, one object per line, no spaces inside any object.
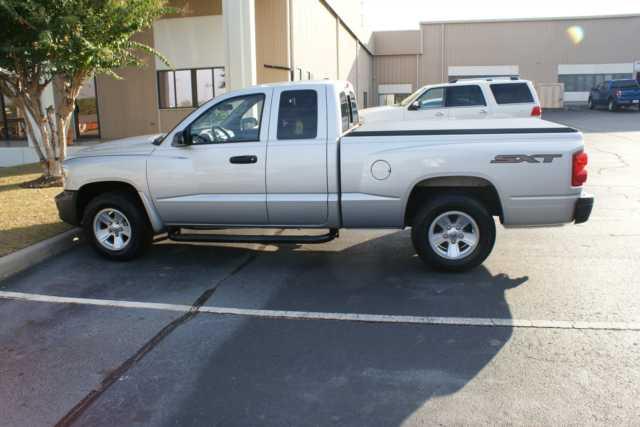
{"x":453,"y":233}
{"x":612,"y":105}
{"x":117,"y":226}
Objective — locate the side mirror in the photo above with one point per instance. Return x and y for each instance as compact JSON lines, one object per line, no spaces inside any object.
{"x":180,"y":139}
{"x":414,"y":106}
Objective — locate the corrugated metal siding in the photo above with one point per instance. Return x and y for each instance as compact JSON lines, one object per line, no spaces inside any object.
{"x":365,"y":78}
{"x":272,"y":40}
{"x":397,"y":42}
{"x":347,"y":56}
{"x":537,"y":47}
{"x":396,"y":69}
{"x":314,"y":39}
{"x":129,"y":106}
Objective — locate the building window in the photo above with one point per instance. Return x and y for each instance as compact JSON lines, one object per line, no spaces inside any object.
{"x":12,"y":124}
{"x":189,"y":88}
{"x":585,"y":82}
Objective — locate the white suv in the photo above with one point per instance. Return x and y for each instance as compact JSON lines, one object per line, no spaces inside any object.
{"x":463,"y":99}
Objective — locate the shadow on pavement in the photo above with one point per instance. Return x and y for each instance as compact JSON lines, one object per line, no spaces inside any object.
{"x":283,"y":372}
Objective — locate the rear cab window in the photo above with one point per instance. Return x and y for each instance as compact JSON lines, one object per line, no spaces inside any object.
{"x":465,"y":96}
{"x":512,"y":93}
{"x":298,"y":114}
{"x":348,"y":110}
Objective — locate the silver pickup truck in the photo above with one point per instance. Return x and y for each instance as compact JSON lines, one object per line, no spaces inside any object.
{"x":294,"y":155}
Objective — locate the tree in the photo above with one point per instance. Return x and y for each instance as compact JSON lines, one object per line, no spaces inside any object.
{"x":63,"y":43}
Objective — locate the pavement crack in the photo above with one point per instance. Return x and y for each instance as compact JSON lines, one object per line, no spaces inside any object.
{"x":623,"y":162}
{"x":115,"y":375}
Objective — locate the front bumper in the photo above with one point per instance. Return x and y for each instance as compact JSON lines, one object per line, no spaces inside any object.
{"x":67,"y":203}
{"x":583,"y":208}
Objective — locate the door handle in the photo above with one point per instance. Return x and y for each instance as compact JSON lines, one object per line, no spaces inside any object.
{"x":243,"y":159}
{"x":484,"y":112}
{"x":439,"y":114}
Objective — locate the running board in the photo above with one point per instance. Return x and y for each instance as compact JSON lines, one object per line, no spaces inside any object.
{"x":231,"y":238}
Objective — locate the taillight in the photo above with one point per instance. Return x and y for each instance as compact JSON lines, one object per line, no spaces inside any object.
{"x":536,"y":111}
{"x":618,"y":93}
{"x":579,"y":170}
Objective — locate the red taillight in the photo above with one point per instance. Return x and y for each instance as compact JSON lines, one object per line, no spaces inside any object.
{"x":579,"y":170}
{"x":618,"y":93}
{"x":536,"y":111}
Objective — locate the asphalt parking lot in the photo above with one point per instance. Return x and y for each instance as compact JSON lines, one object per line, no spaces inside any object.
{"x":352,"y":332}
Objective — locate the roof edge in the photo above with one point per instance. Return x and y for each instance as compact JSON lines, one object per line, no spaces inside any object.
{"x":553,"y":18}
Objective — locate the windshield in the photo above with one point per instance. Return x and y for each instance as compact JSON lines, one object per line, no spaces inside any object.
{"x":409,"y":99}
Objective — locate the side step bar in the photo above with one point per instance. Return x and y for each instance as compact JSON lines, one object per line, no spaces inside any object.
{"x":178,"y":236}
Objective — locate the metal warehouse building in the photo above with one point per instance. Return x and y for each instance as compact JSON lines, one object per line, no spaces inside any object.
{"x":575,"y":52}
{"x":220,"y":45}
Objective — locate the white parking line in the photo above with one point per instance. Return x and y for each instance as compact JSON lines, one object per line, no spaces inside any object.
{"x":345,"y":317}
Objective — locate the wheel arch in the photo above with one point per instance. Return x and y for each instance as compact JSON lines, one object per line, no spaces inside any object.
{"x":89,"y":191}
{"x":478,"y":187}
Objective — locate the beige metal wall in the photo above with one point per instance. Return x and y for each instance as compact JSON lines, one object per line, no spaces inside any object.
{"x":272,"y":40}
{"x":396,"y":69}
{"x":365,"y":78}
{"x":324,"y":46}
{"x":537,"y":47}
{"x":315,"y":47}
{"x":129,"y":106}
{"x":397,"y":42}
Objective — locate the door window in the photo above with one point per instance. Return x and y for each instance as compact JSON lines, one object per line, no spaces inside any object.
{"x":298,"y":114}
{"x":232,"y":120}
{"x":433,"y":98}
{"x":465,"y":96}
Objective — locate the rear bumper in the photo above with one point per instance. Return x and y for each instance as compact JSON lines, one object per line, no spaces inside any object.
{"x":67,"y":207}
{"x":628,"y":101}
{"x":583,"y":208}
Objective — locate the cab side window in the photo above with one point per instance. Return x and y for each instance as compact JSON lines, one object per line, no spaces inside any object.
{"x":233,"y":120}
{"x":465,"y":96}
{"x":433,"y":98}
{"x":298,"y":114}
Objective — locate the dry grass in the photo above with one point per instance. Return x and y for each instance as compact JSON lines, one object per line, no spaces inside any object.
{"x":29,"y":215}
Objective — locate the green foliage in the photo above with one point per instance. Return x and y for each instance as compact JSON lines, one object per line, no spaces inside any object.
{"x":73,"y":37}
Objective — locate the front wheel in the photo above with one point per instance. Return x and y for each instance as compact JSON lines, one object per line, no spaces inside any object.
{"x":453,"y":233}
{"x":591,"y":105}
{"x":612,"y":105}
{"x":117,"y":226}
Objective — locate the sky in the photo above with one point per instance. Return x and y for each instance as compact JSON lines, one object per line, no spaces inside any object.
{"x":380,"y":15}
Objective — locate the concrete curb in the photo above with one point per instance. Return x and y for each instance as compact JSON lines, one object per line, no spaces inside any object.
{"x":34,"y":254}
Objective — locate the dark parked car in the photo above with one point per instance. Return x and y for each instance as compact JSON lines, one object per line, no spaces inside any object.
{"x":615,"y":94}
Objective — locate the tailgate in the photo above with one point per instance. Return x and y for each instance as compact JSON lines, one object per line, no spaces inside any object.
{"x":629,"y":94}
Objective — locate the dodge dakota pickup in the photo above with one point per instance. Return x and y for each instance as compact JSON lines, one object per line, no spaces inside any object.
{"x":294,"y":155}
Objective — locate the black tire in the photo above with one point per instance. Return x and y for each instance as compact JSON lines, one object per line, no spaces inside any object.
{"x":440,"y":205}
{"x":590,"y":102}
{"x":141,"y":232}
{"x":612,"y":106}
